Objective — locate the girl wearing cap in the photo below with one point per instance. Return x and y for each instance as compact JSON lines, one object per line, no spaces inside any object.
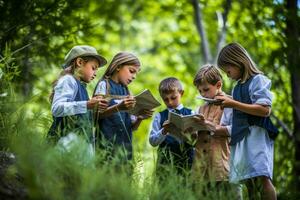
{"x":115,"y":125}
{"x":71,"y":107}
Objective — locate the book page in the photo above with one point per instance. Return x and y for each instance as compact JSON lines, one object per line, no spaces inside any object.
{"x":144,"y":101}
{"x":184,"y":122}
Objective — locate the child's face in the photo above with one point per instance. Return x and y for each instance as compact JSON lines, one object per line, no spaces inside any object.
{"x":87,"y":70}
{"x":127,"y":73}
{"x":233,"y":72}
{"x":172,"y":99}
{"x":208,"y":90}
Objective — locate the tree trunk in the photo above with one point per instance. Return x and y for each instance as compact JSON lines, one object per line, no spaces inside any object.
{"x":200,"y":28}
{"x":204,"y":43}
{"x":27,"y":77}
{"x":223,"y":17}
{"x":293,"y":60}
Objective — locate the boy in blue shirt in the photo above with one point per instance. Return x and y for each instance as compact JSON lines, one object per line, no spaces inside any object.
{"x":172,"y":152}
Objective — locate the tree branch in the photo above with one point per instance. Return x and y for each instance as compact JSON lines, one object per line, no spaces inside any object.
{"x":283,"y":126}
{"x":222,"y":33}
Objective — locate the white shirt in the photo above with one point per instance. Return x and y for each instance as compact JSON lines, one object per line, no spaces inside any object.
{"x":63,"y":103}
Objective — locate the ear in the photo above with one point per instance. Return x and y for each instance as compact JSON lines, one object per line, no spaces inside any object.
{"x":79,"y":62}
{"x":181,"y":93}
{"x":219,"y":84}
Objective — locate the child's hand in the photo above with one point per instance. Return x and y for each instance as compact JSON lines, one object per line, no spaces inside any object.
{"x":97,"y":102}
{"x":227,"y":101}
{"x":168,"y":127}
{"x":145,"y":114}
{"x":194,"y":135}
{"x":188,"y":130}
{"x":190,"y":136}
{"x":199,"y":119}
{"x":127,"y":103}
{"x":102,"y":104}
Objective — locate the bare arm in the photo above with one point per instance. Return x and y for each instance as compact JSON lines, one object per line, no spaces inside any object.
{"x":252,"y":109}
{"x":126,"y":104}
{"x":136,"y":123}
{"x":109,"y":111}
{"x":143,"y":114}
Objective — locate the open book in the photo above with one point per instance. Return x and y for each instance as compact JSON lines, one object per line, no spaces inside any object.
{"x":144,"y":101}
{"x":183,"y":122}
{"x":215,"y":101}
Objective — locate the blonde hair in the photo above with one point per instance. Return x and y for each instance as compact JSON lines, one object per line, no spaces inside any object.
{"x":69,"y":70}
{"x":119,"y":60}
{"x":235,"y":55}
{"x":169,"y":85}
{"x":207,"y":74}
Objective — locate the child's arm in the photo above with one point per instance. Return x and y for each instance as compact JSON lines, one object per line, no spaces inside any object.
{"x":157,"y":136}
{"x":252,"y":109}
{"x":63,"y":103}
{"x":125,"y":104}
{"x":97,"y":102}
{"x":226,"y":121}
{"x":260,"y":95}
{"x":144,"y":114}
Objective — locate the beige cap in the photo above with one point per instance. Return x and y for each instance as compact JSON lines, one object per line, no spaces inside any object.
{"x":83,"y":50}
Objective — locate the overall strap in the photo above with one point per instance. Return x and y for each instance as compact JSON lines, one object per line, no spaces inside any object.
{"x":107,"y":86}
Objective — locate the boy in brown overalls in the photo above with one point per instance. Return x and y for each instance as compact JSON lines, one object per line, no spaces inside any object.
{"x":211,"y":161}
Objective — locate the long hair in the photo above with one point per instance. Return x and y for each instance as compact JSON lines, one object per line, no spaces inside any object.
{"x":234,"y":54}
{"x":68,"y":70}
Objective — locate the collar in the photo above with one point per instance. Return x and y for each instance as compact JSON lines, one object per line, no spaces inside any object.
{"x":179,"y":107}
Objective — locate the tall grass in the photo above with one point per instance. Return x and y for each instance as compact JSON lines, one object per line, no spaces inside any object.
{"x":54,"y":173}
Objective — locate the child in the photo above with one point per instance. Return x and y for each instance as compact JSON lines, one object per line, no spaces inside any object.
{"x":71,"y":107}
{"x":171,"y":150}
{"x":252,"y":131}
{"x":115,"y":125}
{"x":211,"y":162}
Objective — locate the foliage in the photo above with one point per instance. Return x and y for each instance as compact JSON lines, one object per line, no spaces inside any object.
{"x":39,"y":29}
{"x":8,"y":71}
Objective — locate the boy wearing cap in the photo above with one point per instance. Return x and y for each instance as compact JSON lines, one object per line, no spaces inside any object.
{"x":71,"y":107}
